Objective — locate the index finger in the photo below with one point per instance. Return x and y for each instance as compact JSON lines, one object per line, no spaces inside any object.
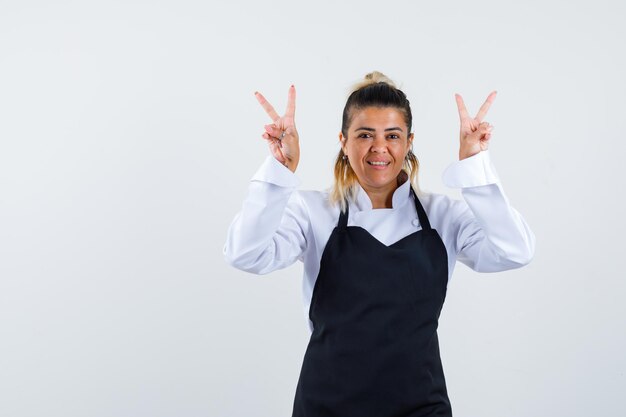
{"x":483,"y":109}
{"x":267,"y":106}
{"x":461,"y":106}
{"x":291,"y":102}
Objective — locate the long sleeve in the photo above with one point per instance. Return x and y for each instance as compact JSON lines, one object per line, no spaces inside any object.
{"x":269,"y":232}
{"x":491,"y":235}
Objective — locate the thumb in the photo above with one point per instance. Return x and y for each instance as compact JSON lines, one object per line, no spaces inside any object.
{"x":483,"y":129}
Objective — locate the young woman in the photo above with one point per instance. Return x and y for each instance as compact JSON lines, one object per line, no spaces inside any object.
{"x":378,"y":252}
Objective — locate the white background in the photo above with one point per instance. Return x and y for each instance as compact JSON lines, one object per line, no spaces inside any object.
{"x":129,"y":132}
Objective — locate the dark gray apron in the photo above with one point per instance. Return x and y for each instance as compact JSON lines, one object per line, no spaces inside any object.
{"x":374,"y":349}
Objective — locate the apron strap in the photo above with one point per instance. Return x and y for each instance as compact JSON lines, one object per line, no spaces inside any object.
{"x":421,"y":213}
{"x":343,"y":218}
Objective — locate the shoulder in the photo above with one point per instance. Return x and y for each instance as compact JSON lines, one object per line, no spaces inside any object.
{"x":442,"y":209}
{"x":316,"y":199}
{"x":317,"y":204}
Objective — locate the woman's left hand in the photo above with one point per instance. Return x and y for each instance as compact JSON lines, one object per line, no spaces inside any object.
{"x":475,"y":133}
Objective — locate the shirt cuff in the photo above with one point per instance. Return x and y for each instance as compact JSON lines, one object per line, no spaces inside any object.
{"x":274,"y":172}
{"x":473,"y":171}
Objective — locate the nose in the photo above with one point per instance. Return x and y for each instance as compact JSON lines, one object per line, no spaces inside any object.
{"x":379,"y":144}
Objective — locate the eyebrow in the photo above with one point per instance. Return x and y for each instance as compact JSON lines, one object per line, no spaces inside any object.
{"x":373,"y":130}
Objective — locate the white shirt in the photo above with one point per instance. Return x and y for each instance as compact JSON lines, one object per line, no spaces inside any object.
{"x":279,"y":224}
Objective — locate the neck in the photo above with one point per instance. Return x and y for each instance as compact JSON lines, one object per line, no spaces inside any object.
{"x":382,"y":197}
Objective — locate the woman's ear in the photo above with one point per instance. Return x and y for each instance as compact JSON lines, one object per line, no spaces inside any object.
{"x":410,"y":139}
{"x":342,"y":142}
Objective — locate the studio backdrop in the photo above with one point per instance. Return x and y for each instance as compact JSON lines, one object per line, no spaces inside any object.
{"x":129,"y":133}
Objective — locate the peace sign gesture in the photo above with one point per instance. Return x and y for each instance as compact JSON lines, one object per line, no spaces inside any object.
{"x":475,"y":133}
{"x":281,"y":135}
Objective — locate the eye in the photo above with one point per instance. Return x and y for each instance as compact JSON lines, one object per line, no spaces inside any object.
{"x":366,"y":135}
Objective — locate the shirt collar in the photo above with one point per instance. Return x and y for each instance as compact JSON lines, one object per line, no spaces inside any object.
{"x":399,"y":198}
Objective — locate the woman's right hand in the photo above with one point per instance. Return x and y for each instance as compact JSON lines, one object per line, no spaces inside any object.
{"x":287,"y":150}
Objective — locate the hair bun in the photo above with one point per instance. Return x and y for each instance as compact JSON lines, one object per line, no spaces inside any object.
{"x":373,"y":77}
{"x":378,"y":77}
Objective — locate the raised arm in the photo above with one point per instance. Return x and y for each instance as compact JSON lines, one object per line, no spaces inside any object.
{"x":491,"y":235}
{"x":270,"y":230}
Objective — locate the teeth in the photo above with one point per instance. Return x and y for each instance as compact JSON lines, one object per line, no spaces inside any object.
{"x":378,"y":163}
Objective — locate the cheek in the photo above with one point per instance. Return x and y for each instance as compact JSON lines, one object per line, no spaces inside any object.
{"x":357,"y":150}
{"x":400,"y":150}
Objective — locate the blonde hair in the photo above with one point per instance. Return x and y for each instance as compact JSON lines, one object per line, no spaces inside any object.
{"x":376,"y":89}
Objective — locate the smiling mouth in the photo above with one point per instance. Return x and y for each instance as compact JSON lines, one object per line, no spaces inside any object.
{"x":378,"y":164}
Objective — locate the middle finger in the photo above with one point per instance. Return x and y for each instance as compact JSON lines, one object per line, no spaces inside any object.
{"x":483,"y":109}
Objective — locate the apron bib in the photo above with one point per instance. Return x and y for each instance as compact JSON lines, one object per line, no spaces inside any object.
{"x":375,"y":308}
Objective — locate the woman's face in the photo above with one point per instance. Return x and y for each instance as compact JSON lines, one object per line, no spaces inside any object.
{"x":377,"y":134}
